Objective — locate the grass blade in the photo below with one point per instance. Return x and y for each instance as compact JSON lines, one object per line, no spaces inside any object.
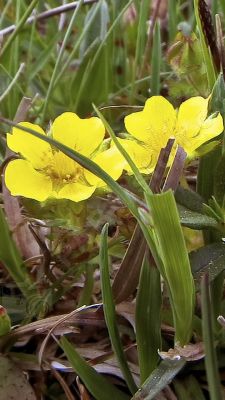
{"x":110,"y":313}
{"x":205,"y":50}
{"x":95,"y":383}
{"x":156,"y":61}
{"x":176,"y":266}
{"x":147,"y":318}
{"x":208,"y":337}
{"x":129,"y":160}
{"x":19,"y":26}
{"x":159,"y":379}
{"x":59,"y":58}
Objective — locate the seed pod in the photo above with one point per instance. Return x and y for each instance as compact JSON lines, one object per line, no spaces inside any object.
{"x":5,"y":323}
{"x":209,"y":31}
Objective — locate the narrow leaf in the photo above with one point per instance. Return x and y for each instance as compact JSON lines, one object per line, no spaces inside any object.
{"x":215,"y":389}
{"x":148,"y":318}
{"x":98,"y":386}
{"x":159,"y":379}
{"x":110,"y":313}
{"x":176,"y":267}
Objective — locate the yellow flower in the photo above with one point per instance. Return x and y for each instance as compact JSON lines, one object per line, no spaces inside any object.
{"x":152,"y":127}
{"x":45,"y":172}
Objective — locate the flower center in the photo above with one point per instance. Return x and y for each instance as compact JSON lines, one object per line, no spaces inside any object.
{"x":62,"y":170}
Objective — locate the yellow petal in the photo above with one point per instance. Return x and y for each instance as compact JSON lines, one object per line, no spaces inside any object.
{"x":82,"y":135}
{"x":35,"y":150}
{"x":111,"y":161}
{"x":76,"y":192}
{"x":142,"y":156}
{"x":191,"y":115}
{"x":211,"y":128}
{"x":156,"y":122}
{"x":23,"y":180}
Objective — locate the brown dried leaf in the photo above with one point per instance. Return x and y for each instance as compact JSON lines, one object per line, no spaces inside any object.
{"x":13,"y":383}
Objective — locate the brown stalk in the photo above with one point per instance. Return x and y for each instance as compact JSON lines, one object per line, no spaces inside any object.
{"x":209,"y":31}
{"x":47,"y":14}
{"x":220,"y":43}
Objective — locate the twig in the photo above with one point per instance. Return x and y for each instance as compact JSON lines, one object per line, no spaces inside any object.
{"x":47,"y":14}
{"x":12,"y":83}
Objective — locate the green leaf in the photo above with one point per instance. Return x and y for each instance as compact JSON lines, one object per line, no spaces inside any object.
{"x":110,"y":313}
{"x":205,"y":50}
{"x":156,"y":61}
{"x":176,"y":267}
{"x":188,"y":388}
{"x":159,"y":379}
{"x":19,"y":26}
{"x":98,"y":386}
{"x":148,"y":318}
{"x":98,"y":27}
{"x":210,"y":259}
{"x":121,"y":149}
{"x":60,"y":55}
{"x":219,"y":179}
{"x":215,"y":389}
{"x":189,"y":199}
{"x":195,"y":220}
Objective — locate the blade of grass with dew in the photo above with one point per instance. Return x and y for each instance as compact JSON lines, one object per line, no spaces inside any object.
{"x":213,"y":378}
{"x":110,"y":313}
{"x":60,"y":55}
{"x":176,"y":265}
{"x":129,"y":160}
{"x":98,"y":386}
{"x":205,"y":50}
{"x":159,"y":379}
{"x":156,"y":60}
{"x":19,"y":26}
{"x":148,"y":318}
